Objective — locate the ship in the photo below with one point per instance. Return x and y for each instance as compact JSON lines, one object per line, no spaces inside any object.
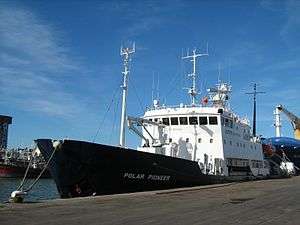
{"x":14,"y":163}
{"x":199,"y":143}
{"x":286,"y":147}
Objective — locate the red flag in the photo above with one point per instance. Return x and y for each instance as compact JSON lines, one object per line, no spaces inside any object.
{"x":204,"y":100}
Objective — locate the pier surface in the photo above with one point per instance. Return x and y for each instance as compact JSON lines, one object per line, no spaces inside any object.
{"x":256,"y":202}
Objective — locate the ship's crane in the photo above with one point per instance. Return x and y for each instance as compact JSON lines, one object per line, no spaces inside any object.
{"x":132,"y":121}
{"x":295,"y":121}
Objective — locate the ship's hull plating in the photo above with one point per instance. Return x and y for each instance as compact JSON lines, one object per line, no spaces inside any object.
{"x":82,"y":169}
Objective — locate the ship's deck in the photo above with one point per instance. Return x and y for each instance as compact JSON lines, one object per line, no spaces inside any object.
{"x":258,"y":202}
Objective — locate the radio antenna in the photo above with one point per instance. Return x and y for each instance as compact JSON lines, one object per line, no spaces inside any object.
{"x":125,"y":54}
{"x":193,"y":91}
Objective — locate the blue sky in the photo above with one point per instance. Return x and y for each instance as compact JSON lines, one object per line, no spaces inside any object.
{"x":60,"y":65}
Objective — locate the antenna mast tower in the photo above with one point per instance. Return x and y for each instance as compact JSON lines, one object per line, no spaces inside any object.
{"x":193,"y":91}
{"x":125,"y":54}
{"x":254,"y":93}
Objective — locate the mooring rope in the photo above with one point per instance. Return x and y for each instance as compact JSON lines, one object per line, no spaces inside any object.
{"x":18,"y":195}
{"x":41,"y":173}
{"x":25,"y":175}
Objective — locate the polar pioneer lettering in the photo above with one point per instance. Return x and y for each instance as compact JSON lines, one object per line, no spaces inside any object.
{"x":139,"y":176}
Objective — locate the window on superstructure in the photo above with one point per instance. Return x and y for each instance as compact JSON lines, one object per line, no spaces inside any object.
{"x":213,"y":120}
{"x":226,"y":122}
{"x":166,"y":121}
{"x":156,"y":120}
{"x":183,"y":120}
{"x":193,"y":120}
{"x":150,"y":119}
{"x":199,"y":140}
{"x":203,"y":120}
{"x":187,"y":140}
{"x":174,"y":120}
{"x":170,"y":140}
{"x":211,"y":140}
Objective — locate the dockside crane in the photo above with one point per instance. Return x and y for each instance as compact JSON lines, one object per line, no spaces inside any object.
{"x":295,"y":121}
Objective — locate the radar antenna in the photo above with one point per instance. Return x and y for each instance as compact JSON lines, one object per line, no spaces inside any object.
{"x":193,"y":91}
{"x":125,"y":54}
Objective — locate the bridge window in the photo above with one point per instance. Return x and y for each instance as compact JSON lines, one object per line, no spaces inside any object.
{"x":156,"y":120}
{"x":193,"y":120}
{"x":228,"y":123}
{"x":174,"y":120}
{"x":183,"y":120}
{"x":213,"y":120}
{"x":150,"y":119}
{"x":203,"y":120}
{"x":166,"y":121}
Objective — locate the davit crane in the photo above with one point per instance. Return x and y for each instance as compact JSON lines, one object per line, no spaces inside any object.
{"x":295,"y":121}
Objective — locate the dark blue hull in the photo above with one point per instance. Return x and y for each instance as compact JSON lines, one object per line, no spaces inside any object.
{"x":83,"y":169}
{"x":289,"y":146}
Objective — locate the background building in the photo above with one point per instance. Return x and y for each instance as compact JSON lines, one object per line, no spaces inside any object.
{"x":4,"y":122}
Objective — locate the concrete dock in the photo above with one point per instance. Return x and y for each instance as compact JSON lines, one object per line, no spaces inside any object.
{"x":256,"y":202}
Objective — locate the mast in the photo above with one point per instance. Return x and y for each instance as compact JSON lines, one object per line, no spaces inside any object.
{"x":193,"y":91}
{"x":125,"y":54}
{"x":277,"y":122}
{"x":254,"y":93}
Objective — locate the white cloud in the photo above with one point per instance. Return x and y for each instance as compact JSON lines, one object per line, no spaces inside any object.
{"x":24,"y":36}
{"x":143,"y":16}
{"x":290,"y":31}
{"x":32,"y":61}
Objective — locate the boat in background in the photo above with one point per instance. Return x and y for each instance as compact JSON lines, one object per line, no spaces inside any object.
{"x":14,"y":163}
{"x":286,"y":147}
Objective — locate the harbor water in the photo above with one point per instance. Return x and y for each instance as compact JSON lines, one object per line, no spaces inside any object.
{"x":43,"y":189}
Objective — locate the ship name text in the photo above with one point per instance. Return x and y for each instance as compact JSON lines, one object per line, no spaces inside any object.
{"x":141,"y":176}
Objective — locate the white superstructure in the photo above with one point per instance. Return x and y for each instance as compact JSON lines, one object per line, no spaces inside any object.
{"x":209,"y":133}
